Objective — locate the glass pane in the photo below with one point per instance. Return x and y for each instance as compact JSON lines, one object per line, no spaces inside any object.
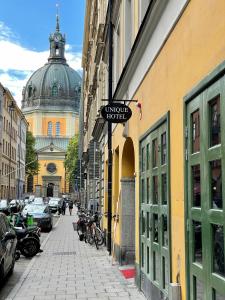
{"x":142,"y":223}
{"x":164,"y":189}
{"x":217,"y":296}
{"x":156,"y":266}
{"x":143,"y":190}
{"x":165,"y":231}
{"x":148,"y":225}
{"x":142,"y":159}
{"x":148,"y":190}
{"x":195,"y":131}
{"x":216,"y":184}
{"x":198,"y":289}
{"x":163,"y":143}
{"x":218,"y":249}
{"x":142,"y":255}
{"x":197,"y":236}
{"x":148,"y":259}
{"x":155,"y":228}
{"x":165,"y":273}
{"x":147,"y":157}
{"x":215,"y":122}
{"x":196,"y":186}
{"x":155,"y":152}
{"x":155,"y":189}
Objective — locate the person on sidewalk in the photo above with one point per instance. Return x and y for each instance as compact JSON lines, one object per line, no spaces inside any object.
{"x":70,"y":207}
{"x":63,"y":207}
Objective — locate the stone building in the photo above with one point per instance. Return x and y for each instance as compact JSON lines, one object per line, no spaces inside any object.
{"x":13,"y":147}
{"x":50,"y":104}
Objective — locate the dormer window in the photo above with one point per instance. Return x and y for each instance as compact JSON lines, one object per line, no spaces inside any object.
{"x":29,"y":91}
{"x":54,"y":90}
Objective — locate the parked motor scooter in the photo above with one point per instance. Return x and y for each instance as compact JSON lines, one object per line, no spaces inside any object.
{"x":28,"y":242}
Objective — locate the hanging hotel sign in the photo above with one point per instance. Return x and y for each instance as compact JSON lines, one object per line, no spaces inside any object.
{"x":116,"y":113}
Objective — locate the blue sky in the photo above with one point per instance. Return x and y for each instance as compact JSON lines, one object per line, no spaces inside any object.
{"x":25,"y":26}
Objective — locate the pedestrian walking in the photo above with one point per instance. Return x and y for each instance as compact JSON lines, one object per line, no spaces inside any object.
{"x":70,"y":207}
{"x":63,"y":207}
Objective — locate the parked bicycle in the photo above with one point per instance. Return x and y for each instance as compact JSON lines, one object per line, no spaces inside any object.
{"x":88,"y":228}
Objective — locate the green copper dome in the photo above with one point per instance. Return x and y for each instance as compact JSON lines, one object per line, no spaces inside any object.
{"x":55,"y":86}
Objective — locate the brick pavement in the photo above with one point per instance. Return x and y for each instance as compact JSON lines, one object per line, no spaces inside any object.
{"x":70,"y":269}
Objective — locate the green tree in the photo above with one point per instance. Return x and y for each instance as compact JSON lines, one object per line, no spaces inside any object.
{"x":71,"y":159}
{"x":32,"y":165}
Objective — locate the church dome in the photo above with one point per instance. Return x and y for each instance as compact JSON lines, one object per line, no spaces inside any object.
{"x":55,"y":85}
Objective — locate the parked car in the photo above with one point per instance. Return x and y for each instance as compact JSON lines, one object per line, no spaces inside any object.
{"x":38,"y":200}
{"x":41,"y":215}
{"x":55,"y":204}
{"x":7,"y":247}
{"x":4,"y":207}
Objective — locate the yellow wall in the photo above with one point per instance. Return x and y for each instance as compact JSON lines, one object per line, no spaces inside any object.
{"x":195,"y":47}
{"x":30,"y":122}
{"x":45,"y":121}
{"x":43,"y":172}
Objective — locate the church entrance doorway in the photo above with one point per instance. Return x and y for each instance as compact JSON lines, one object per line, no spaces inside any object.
{"x":50,"y":190}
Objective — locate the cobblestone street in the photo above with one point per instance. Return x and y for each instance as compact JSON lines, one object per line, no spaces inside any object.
{"x":70,"y":269}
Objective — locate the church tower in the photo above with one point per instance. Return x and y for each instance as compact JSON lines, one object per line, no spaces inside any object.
{"x":50,"y":104}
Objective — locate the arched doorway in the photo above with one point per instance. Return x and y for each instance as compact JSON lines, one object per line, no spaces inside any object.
{"x":127,"y":205}
{"x":50,"y":189}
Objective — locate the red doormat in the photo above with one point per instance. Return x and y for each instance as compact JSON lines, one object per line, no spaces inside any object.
{"x":128,"y":273}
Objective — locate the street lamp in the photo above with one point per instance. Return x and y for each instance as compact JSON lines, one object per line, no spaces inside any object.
{"x":11,"y":109}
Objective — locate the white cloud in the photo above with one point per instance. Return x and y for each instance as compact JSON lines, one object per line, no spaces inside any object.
{"x":17,"y":59}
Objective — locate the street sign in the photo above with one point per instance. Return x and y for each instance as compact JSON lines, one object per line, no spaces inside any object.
{"x":116,"y":113}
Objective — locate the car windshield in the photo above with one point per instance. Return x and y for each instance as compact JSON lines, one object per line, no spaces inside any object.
{"x":53,"y":202}
{"x":3,"y":203}
{"x":34,"y":209}
{"x":38,"y":200}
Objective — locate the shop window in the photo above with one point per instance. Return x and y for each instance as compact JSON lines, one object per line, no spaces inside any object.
{"x":163,"y":145}
{"x":218,"y":249}
{"x":197,"y":234}
{"x":155,"y":228}
{"x":216,"y":184}
{"x":155,"y":189}
{"x":195,"y":131}
{"x":215,"y":135}
{"x":164,"y":189}
{"x":155,"y":153}
{"x":196,"y":186}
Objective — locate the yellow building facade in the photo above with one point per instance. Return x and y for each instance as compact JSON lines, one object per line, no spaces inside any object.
{"x":168,"y":159}
{"x":51,"y":106}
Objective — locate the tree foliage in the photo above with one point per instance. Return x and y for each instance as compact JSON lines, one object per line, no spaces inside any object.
{"x":32,"y":165}
{"x":72,"y":159}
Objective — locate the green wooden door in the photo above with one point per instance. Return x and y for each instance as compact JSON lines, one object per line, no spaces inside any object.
{"x":154,"y":219}
{"x":205,"y":190}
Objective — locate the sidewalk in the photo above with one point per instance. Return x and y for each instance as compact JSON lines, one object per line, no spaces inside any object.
{"x":70,"y":269}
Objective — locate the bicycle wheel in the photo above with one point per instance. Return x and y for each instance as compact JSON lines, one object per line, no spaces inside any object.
{"x":99,"y":236}
{"x":89,"y":235}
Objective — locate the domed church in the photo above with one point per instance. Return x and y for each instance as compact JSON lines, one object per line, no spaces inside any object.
{"x":50,"y":103}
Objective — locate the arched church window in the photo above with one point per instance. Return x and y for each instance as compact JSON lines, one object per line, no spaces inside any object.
{"x":50,"y":128}
{"x":57,"y":128}
{"x":54,"y":90}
